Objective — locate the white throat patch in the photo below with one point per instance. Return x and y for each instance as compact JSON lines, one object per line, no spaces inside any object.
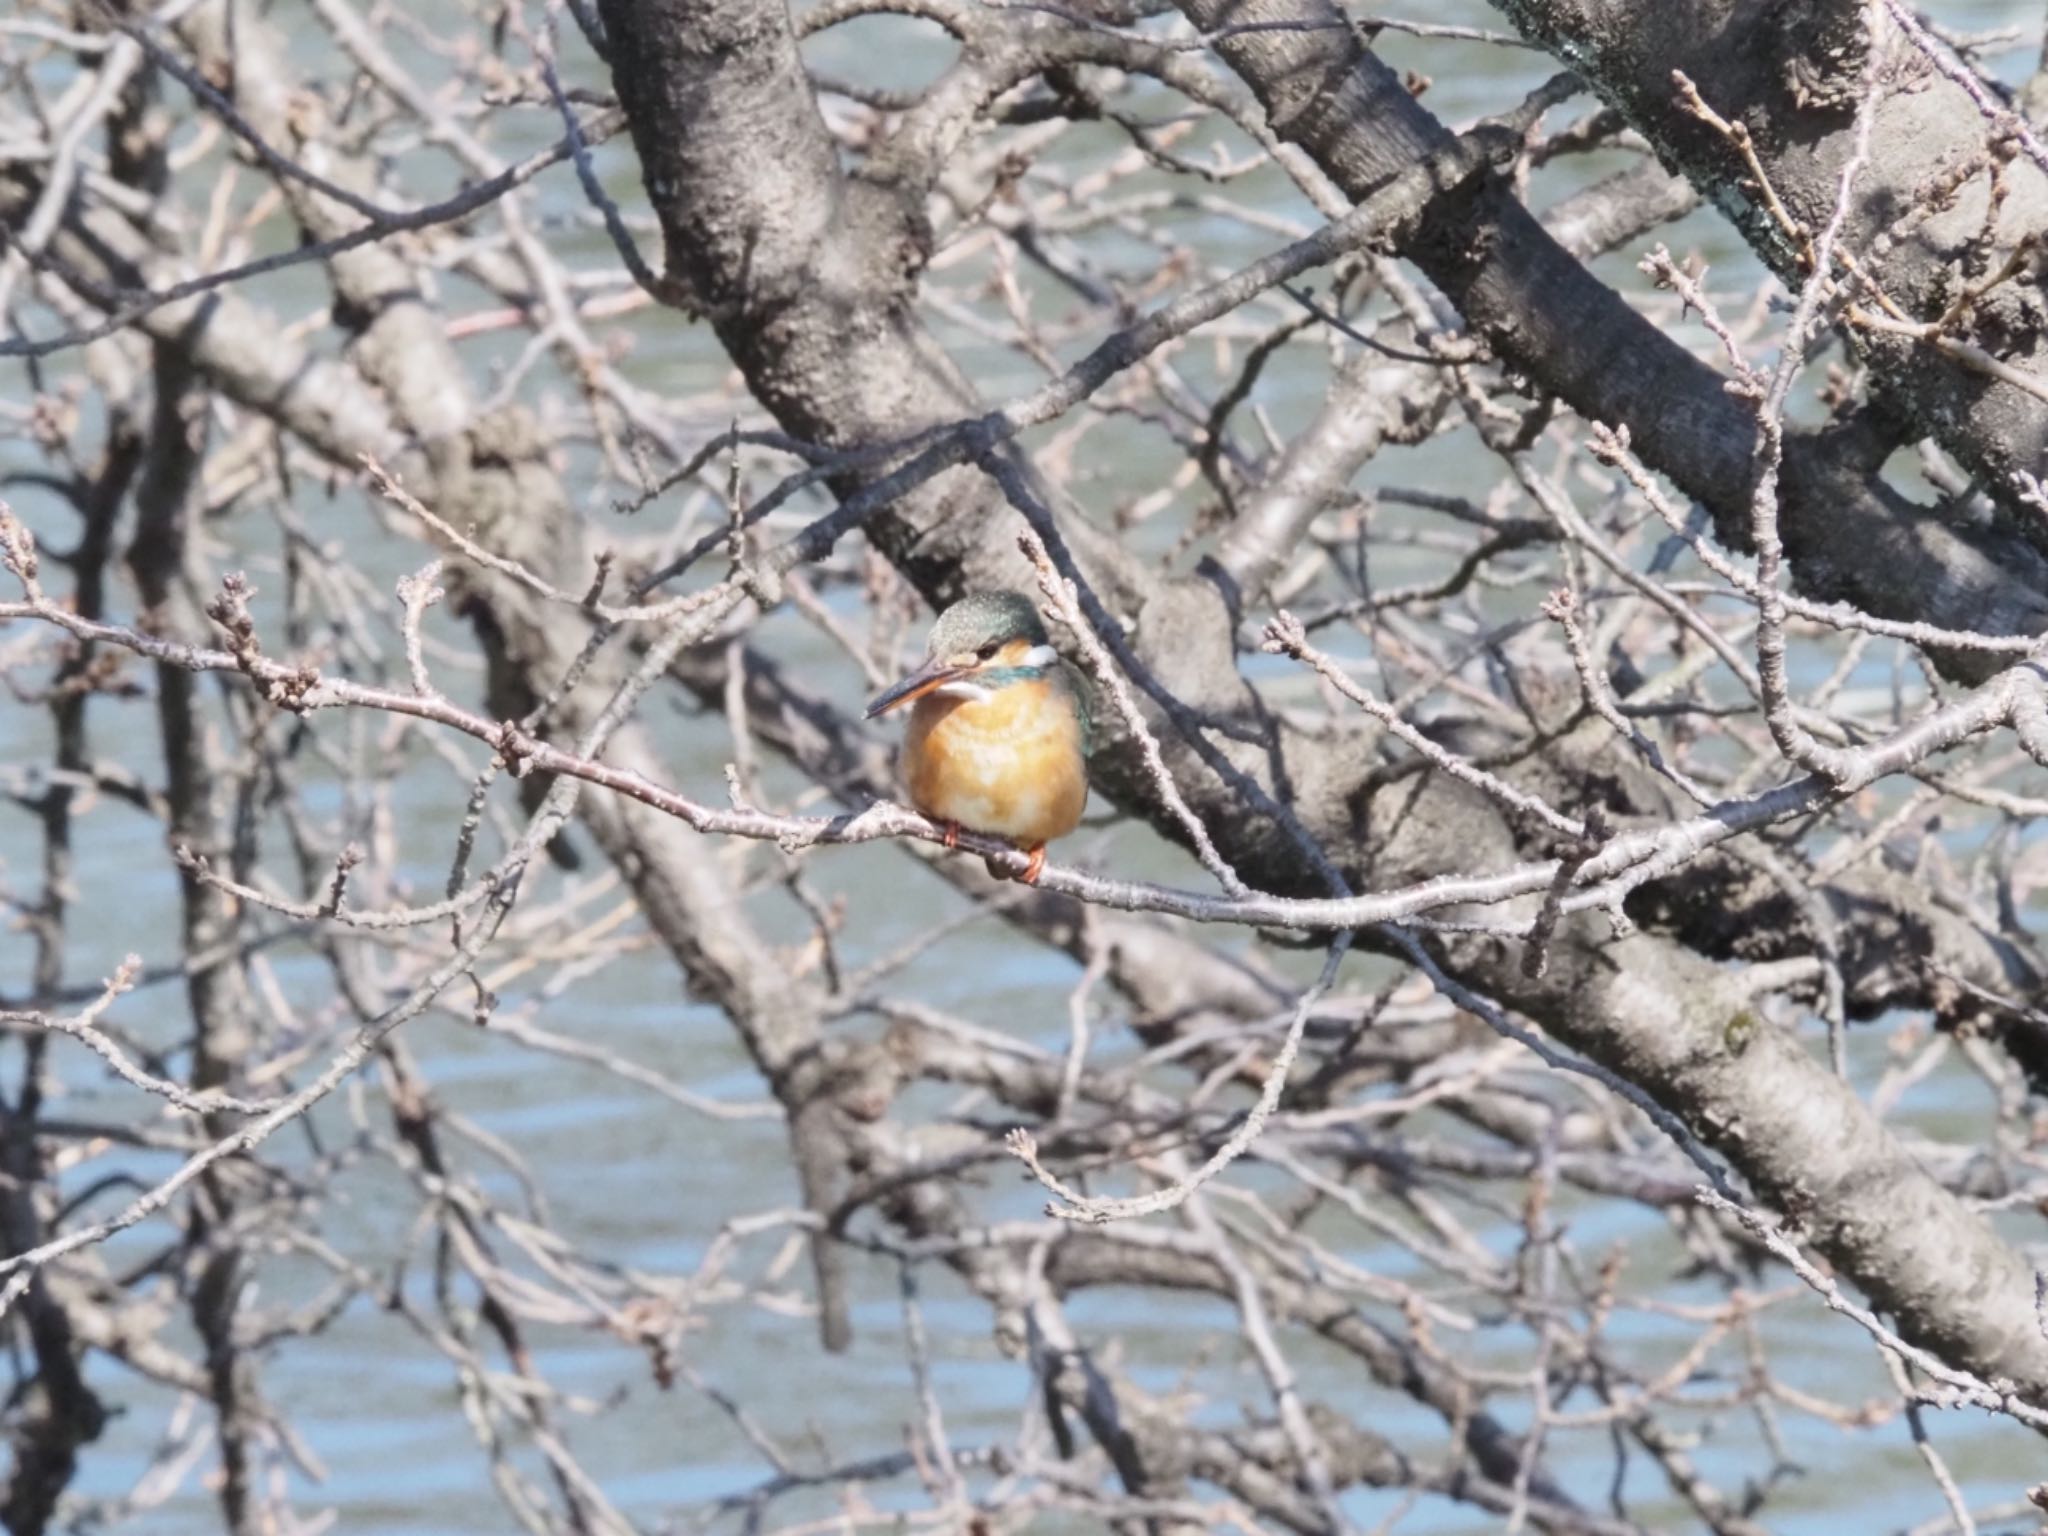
{"x":962,"y":688}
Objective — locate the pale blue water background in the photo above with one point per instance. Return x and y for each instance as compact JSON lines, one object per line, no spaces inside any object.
{"x":641,"y":1182}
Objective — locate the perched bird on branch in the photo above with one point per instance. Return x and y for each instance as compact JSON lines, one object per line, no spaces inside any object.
{"x":998,"y":738}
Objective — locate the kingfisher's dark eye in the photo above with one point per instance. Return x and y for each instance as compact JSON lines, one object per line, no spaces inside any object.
{"x":989,"y":650}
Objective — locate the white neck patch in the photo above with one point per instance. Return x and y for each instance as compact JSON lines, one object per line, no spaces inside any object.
{"x":1038,"y":656}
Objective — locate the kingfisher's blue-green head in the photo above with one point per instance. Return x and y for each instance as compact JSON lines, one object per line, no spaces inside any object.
{"x":983,"y":642}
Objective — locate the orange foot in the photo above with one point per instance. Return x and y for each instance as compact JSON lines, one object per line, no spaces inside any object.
{"x":1035,"y":867}
{"x":952,"y":833}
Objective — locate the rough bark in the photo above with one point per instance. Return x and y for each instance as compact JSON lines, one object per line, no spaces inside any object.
{"x":1847,"y":535}
{"x":1792,"y":74}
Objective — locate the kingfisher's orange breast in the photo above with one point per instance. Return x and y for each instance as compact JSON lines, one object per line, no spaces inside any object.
{"x":1010,"y":764}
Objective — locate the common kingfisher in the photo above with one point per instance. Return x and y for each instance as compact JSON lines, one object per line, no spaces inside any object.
{"x":998,"y":740}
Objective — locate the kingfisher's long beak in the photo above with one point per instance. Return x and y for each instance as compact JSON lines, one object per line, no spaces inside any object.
{"x":933,"y":674}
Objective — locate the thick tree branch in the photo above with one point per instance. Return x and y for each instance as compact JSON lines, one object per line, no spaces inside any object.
{"x":1847,"y":535}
